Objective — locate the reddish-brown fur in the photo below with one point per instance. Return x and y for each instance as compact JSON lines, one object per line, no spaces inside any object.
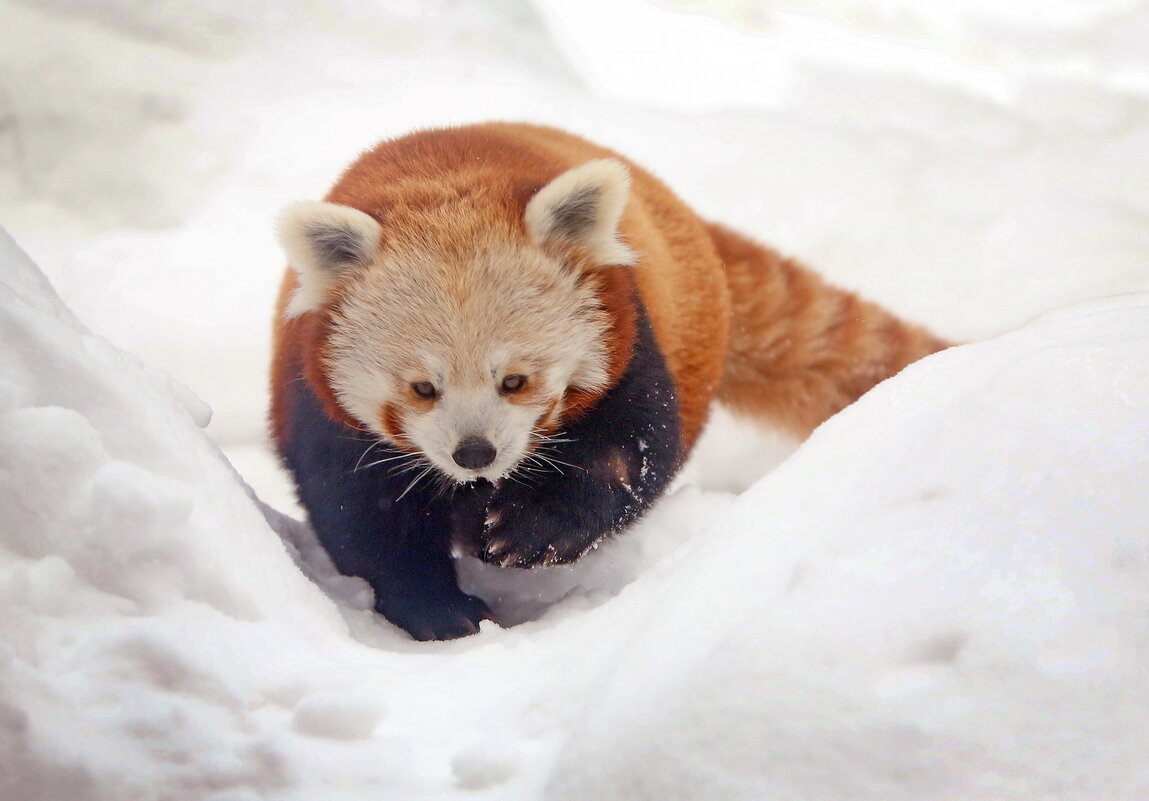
{"x":798,"y":350}
{"x":296,"y":341}
{"x":801,"y":350}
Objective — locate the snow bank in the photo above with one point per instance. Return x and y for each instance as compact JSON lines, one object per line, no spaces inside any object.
{"x":137,"y":577}
{"x":942,"y":594}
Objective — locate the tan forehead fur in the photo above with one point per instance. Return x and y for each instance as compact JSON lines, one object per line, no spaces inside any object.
{"x":427,"y":311}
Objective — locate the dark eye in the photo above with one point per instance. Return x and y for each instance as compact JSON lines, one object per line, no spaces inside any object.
{"x":424,"y":389}
{"x":514,"y":382}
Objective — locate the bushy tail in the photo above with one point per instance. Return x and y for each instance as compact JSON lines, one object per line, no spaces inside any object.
{"x":800,"y":349}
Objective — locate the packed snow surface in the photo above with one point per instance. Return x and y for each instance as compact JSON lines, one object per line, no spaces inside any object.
{"x":942,"y":594}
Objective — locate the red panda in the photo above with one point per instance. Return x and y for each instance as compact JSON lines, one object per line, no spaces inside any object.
{"x":505,"y":339}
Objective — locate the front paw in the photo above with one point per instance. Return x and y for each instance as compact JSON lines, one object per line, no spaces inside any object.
{"x":533,"y":527}
{"x":439,"y":617}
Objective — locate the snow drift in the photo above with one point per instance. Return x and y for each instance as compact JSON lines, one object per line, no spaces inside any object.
{"x":942,"y":594}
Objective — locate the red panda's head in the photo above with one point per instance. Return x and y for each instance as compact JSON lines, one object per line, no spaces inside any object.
{"x":457,"y":342}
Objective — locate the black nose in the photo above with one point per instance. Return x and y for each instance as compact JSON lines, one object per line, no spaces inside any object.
{"x":474,"y":453}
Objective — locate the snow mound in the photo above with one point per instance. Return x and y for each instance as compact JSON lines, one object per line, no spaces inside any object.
{"x":942,"y":594}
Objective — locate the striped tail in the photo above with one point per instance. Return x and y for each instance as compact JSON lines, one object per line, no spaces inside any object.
{"x":800,"y":349}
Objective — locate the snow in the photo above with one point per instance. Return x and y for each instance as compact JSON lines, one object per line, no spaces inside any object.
{"x":962,"y":614}
{"x":942,"y":594}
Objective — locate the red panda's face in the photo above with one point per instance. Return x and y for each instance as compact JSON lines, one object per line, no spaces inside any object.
{"x":466,"y":363}
{"x":457,"y":336}
{"x":484,"y":427}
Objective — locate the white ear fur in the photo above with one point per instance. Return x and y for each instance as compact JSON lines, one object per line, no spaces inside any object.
{"x":321,"y":241}
{"x":584,"y":206}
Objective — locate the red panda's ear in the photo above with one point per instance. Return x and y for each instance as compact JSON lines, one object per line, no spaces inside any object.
{"x":583,"y":207}
{"x":322,"y":240}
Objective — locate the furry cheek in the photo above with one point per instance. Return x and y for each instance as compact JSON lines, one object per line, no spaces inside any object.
{"x":392,"y":422}
{"x":549,"y":420}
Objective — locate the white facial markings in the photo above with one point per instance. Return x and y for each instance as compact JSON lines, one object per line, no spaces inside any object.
{"x":462,"y":327}
{"x":479,"y":413}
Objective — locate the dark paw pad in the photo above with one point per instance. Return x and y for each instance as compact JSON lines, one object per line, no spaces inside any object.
{"x":438,"y":618}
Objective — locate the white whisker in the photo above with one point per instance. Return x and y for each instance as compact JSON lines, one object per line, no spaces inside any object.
{"x":543,"y":463}
{"x":415,"y":481}
{"x":363,"y":455}
{"x":555,"y":462}
{"x":407,"y":467}
{"x":371,"y":447}
{"x":415,"y":455}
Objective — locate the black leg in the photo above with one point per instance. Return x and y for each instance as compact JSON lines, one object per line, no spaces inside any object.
{"x":373,"y":526}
